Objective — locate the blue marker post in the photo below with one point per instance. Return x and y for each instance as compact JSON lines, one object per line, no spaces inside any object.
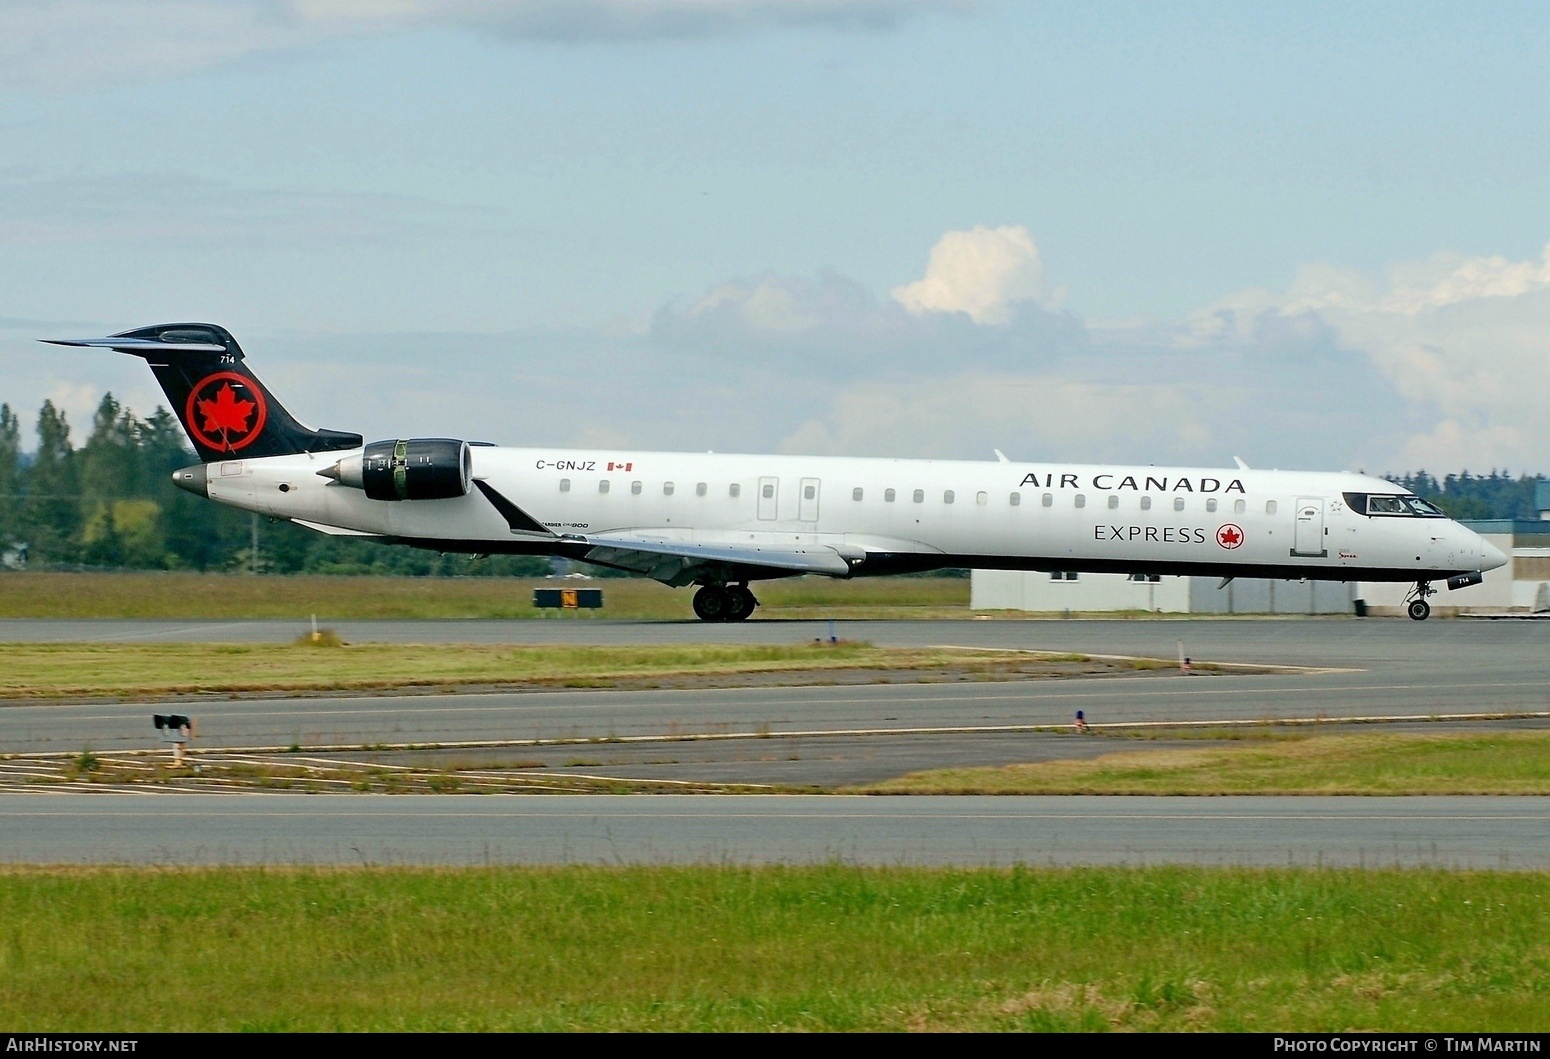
{"x":1081,"y":722}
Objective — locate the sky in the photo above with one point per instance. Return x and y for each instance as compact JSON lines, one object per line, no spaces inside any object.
{"x":1310,"y":235}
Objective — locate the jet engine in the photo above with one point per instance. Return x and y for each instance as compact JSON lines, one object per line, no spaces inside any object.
{"x":412,"y":469}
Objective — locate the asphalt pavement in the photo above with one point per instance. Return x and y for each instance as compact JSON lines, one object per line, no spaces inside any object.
{"x":832,"y":735}
{"x":793,"y":829}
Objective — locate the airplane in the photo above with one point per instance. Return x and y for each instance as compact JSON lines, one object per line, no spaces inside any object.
{"x":723,"y":521}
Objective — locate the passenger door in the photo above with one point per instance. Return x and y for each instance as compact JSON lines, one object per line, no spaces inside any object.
{"x":1309,"y":536}
{"x":808,"y":505}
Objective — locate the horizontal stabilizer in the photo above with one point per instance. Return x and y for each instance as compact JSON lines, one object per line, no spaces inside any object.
{"x":139,"y":346}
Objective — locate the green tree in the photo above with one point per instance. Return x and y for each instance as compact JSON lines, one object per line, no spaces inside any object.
{"x":109,"y":474}
{"x":51,"y":516}
{"x":10,"y":478}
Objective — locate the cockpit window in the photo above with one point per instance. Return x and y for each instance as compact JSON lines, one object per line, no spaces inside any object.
{"x":1403,"y":506}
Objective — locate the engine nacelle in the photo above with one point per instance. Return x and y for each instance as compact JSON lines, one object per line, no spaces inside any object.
{"x":412,"y":469}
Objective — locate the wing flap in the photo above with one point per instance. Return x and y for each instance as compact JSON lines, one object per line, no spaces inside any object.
{"x":647,"y":555}
{"x":333,"y":531}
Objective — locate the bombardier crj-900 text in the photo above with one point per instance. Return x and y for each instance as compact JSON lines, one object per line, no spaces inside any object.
{"x":724,"y":521}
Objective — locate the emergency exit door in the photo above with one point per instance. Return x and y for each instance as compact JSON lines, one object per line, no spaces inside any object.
{"x":769,"y":497}
{"x":1308,"y":538}
{"x":807,"y":507}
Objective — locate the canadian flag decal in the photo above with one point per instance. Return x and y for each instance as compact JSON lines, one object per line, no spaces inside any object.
{"x":612,"y":466}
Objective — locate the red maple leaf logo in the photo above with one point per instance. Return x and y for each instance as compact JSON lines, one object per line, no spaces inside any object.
{"x":1229,"y":536}
{"x":226,"y":413}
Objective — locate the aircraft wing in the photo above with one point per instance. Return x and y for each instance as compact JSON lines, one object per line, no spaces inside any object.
{"x":673,"y":562}
{"x":680,"y":562}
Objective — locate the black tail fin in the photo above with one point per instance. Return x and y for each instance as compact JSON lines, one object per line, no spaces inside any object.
{"x":226,"y":412}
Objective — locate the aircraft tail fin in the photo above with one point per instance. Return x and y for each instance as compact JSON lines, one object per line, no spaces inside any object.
{"x":226,"y":412}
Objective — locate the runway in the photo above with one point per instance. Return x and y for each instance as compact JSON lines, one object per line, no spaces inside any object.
{"x":181,"y":829}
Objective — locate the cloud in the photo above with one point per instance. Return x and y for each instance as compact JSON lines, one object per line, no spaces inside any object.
{"x":1444,"y":365}
{"x":1466,"y":338}
{"x":834,"y":327}
{"x":982,"y":272}
{"x":59,"y":44}
{"x":1032,"y":417}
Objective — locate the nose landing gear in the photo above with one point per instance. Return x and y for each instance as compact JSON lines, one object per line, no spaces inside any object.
{"x":1418,"y":608}
{"x":724,"y":603}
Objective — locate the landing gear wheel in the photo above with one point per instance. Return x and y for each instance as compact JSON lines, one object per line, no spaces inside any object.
{"x":1420,"y":610}
{"x":712,"y":603}
{"x":740,"y":603}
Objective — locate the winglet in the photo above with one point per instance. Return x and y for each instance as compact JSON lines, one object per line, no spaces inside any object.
{"x":1000,"y":456}
{"x":1241,"y":465}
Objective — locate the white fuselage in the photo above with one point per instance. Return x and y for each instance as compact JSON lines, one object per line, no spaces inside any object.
{"x":884,"y":515}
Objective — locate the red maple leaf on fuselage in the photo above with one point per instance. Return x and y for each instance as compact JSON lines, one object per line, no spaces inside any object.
{"x":1229,"y":537}
{"x":226,"y":412}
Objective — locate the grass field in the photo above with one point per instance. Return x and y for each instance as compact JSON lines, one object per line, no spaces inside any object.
{"x":832,"y":948}
{"x":76,"y":670}
{"x":1267,"y":761}
{"x":192,"y":595}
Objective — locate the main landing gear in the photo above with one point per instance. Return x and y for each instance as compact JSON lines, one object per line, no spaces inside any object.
{"x":1418,"y":608}
{"x":724,"y":603}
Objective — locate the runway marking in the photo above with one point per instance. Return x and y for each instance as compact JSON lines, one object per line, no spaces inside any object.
{"x":820,"y":733}
{"x":1152,"y":658}
{"x":1420,"y":817}
{"x":428,"y":704}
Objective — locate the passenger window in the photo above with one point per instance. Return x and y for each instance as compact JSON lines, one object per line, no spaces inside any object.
{"x":769,"y":490}
{"x":1015,"y":499}
{"x":919,"y":497}
{"x":1178,"y":503}
{"x":635,"y":489}
{"x":947,"y":497}
{"x":809,"y":491}
{"x":1113,"y":501}
{"x":856,"y":494}
{"x":564,"y":485}
{"x":1270,"y":507}
{"x":701,"y":489}
{"x":1048,"y":500}
{"x":1146,"y":503}
{"x":888,"y":495}
{"x":602,"y":486}
{"x":1239,"y":506}
{"x":735,"y":490}
{"x":1081,"y":501}
{"x":982,"y":499}
{"x":1210,"y":503}
{"x":667,"y":488}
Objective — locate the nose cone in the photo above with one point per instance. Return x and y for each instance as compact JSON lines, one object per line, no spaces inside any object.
{"x":1491,"y":557}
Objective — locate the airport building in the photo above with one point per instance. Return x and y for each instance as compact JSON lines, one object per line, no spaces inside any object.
{"x":1059,"y":593}
{"x":1522,"y":586}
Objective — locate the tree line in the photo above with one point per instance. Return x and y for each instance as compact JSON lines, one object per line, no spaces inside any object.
{"x":111,"y":504}
{"x":1468,"y":496}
